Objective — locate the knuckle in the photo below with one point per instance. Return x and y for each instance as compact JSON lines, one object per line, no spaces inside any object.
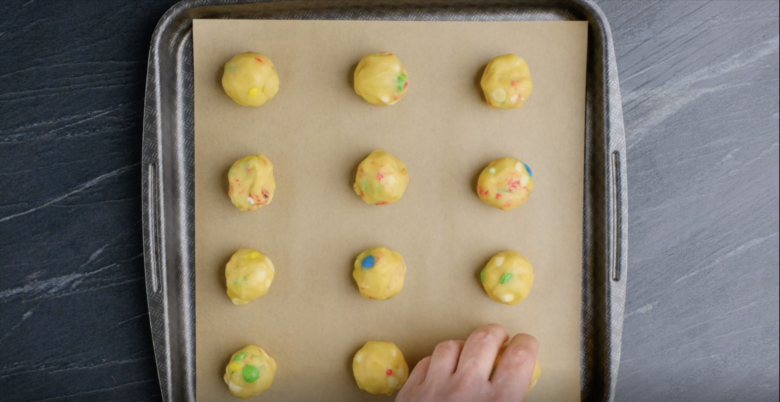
{"x":517,"y":356}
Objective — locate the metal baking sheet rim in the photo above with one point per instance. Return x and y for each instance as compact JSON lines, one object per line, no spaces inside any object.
{"x":168,"y":172}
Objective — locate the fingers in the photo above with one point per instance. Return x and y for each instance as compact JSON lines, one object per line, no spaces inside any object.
{"x":417,"y":376}
{"x":479,"y":352}
{"x":517,"y":364}
{"x":444,"y":359}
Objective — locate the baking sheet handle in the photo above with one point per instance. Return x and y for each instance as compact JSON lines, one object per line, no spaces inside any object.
{"x":616,"y":237}
{"x":154,"y":238}
{"x":156,"y":289}
{"x":618,"y":244}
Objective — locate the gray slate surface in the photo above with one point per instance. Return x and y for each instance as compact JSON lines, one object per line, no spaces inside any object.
{"x":700,"y":91}
{"x":700,"y":97}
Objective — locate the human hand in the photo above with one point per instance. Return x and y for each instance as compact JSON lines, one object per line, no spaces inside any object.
{"x":461,"y":371}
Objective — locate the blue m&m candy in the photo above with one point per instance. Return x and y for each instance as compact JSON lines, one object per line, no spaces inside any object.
{"x":368,"y":262}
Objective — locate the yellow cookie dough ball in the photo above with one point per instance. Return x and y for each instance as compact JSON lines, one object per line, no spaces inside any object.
{"x":380,"y":368}
{"x":250,"y":372}
{"x":505,"y":183}
{"x":508,"y":277}
{"x":534,"y":378}
{"x":250,"y":79}
{"x":381,"y":79}
{"x":251,"y":182}
{"x":507,"y":82}
{"x":379,"y":273}
{"x":249,"y":274}
{"x":381,"y":178}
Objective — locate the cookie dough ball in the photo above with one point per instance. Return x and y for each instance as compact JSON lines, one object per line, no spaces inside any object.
{"x":381,"y":79}
{"x":381,"y":178}
{"x":250,"y":372}
{"x":250,"y":79}
{"x":507,"y":82}
{"x":251,"y":182}
{"x":534,"y":378}
{"x":249,"y":274}
{"x":505,"y":183}
{"x":380,"y":368}
{"x":508,"y":277}
{"x":379,"y":273}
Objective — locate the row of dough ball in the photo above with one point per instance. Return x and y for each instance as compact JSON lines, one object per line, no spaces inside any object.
{"x":382,"y":179}
{"x":379,"y":368}
{"x":251,"y":79}
{"x":379,"y":274}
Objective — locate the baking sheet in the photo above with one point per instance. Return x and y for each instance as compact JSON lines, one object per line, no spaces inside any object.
{"x":316,"y":131}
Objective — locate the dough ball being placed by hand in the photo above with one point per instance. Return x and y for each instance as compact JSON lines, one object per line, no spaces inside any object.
{"x":251,"y":182}
{"x":381,"y":178}
{"x":379,"y":273}
{"x":249,"y":274}
{"x":505,"y":183}
{"x":507,"y":82}
{"x":534,"y":378}
{"x":250,"y":79}
{"x":508,"y":277}
{"x":380,"y":368}
{"x":250,"y":372}
{"x":381,"y":79}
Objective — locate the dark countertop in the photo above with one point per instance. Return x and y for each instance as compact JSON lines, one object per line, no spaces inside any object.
{"x":699,"y":81}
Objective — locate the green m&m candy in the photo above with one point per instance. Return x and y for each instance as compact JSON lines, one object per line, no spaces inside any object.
{"x":250,"y":373}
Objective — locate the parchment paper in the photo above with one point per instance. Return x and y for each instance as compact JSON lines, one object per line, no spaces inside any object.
{"x":316,"y":131}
